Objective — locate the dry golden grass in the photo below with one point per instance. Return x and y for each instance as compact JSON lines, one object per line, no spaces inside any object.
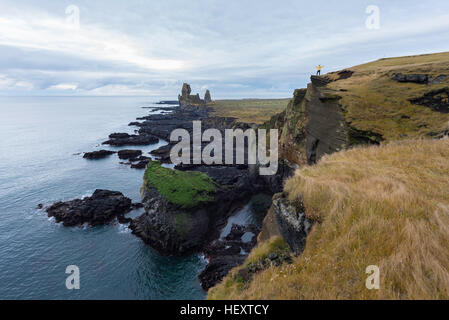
{"x":386,"y":206}
{"x":249,"y":110}
{"x":372,"y":101}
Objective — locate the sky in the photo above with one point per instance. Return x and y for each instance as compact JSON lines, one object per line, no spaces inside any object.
{"x":236,"y":49}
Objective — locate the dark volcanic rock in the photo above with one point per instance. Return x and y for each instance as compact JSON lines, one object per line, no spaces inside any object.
{"x":129,"y":154}
{"x":168,"y":228}
{"x":437,"y":100}
{"x":137,"y":205}
{"x":439,"y":79}
{"x":419,"y":78}
{"x":163,"y":153}
{"x":140,"y":165}
{"x":207,"y":97}
{"x":102,"y":207}
{"x":225,"y":254}
{"x":98,"y":154}
{"x":323,"y":130}
{"x":125,"y":139}
{"x":292,"y":221}
{"x":320,"y":81}
{"x":345,"y":74}
{"x":174,"y":230}
{"x":123,"y":220}
{"x":217,"y":269}
{"x":413,"y":78}
{"x":167,"y":102}
{"x":118,"y":135}
{"x":136,"y":162}
{"x":186,"y":99}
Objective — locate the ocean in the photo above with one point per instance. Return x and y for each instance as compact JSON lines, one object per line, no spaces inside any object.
{"x":41,"y":145}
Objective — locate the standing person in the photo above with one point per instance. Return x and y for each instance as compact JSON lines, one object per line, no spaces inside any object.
{"x":318,"y":69}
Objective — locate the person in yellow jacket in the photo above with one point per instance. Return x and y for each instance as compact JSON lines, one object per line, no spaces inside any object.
{"x":318,"y":69}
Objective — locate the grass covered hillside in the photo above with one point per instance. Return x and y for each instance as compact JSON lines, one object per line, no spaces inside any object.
{"x":249,"y":110}
{"x":396,"y":97}
{"x":384,"y":205}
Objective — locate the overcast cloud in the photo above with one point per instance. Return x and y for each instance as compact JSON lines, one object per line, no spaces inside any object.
{"x":235,"y":48}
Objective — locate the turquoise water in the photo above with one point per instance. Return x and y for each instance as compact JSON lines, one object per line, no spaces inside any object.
{"x":39,"y":163}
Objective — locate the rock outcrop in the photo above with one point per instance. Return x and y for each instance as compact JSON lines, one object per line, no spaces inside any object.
{"x":129,"y":154}
{"x":413,"y":78}
{"x":187,"y":99}
{"x":185,"y":210}
{"x":225,"y":254}
{"x":100,"y":208}
{"x":125,"y":139}
{"x":169,"y":228}
{"x":325,"y":129}
{"x":292,"y":222}
{"x":100,"y":154}
{"x":419,"y":78}
{"x":312,"y":125}
{"x":207,"y":97}
{"x":437,"y":100}
{"x":287,"y":220}
{"x":270,"y":227}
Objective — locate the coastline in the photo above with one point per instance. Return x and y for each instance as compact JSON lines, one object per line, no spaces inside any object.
{"x":237,"y":187}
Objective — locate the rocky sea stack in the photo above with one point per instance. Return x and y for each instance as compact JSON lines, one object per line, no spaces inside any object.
{"x":100,"y":208}
{"x":177,"y":205}
{"x":187,"y":99}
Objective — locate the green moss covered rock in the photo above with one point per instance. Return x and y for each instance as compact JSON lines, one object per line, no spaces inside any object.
{"x":183,"y":188}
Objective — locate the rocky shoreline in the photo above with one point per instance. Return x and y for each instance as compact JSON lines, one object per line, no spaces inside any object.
{"x":99,"y":209}
{"x":172,"y":229}
{"x":169,"y":227}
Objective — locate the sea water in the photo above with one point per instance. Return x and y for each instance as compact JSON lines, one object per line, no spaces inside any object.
{"x":41,"y":145}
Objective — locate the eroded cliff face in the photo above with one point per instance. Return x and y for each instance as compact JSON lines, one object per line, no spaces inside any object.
{"x":361,"y":105}
{"x":312,"y":125}
{"x":292,"y":222}
{"x":325,"y":127}
{"x":292,"y":136}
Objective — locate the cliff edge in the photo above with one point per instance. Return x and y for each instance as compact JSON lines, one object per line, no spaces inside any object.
{"x":371,"y":189}
{"x":386,"y":100}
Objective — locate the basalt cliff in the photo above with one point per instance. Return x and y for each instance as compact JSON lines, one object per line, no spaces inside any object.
{"x":397,"y":106}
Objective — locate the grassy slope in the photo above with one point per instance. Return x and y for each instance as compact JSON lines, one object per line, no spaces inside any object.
{"x":184,"y":188}
{"x":385,"y":206}
{"x":249,"y":110}
{"x":373,"y":102}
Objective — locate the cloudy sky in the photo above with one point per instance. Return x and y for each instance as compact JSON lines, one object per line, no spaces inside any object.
{"x":241,"y":48}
